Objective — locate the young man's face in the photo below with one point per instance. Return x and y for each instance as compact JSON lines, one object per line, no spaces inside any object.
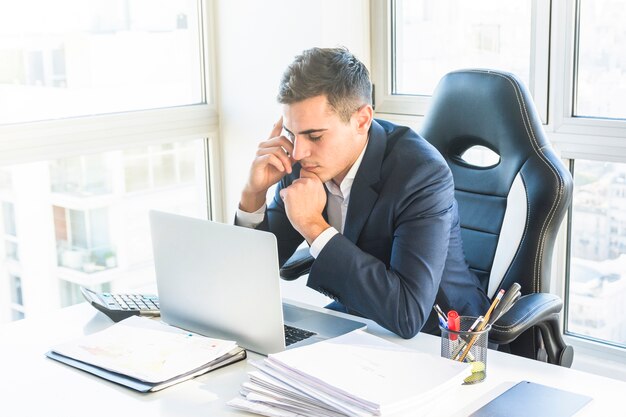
{"x":323,"y":143}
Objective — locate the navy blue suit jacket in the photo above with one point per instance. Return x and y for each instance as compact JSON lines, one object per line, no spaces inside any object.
{"x":401,"y":249}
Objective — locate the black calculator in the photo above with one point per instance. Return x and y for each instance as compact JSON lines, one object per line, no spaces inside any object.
{"x":120,"y":306}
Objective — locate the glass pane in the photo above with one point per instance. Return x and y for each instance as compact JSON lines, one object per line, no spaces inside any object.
{"x":11,"y":251}
{"x":136,"y":169}
{"x":81,"y":176}
{"x":78,"y":229}
{"x":16,"y":290}
{"x":601,"y":66}
{"x":164,"y":169}
{"x":187,"y":162}
{"x":71,"y":294}
{"x":95,"y":241}
{"x":17,"y":315}
{"x":67,"y":58}
{"x":597,"y":279}
{"x":8,"y":215}
{"x":434,"y":37}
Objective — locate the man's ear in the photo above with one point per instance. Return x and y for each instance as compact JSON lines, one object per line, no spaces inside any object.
{"x":363,"y":119}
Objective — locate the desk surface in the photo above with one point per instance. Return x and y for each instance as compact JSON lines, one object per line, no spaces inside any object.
{"x":32,"y":385}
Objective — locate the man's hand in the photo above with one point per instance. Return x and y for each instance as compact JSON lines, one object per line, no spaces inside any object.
{"x":304,"y":201}
{"x":273,"y":160}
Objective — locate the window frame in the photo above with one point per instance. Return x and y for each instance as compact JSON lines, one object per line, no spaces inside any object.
{"x":382,"y":24}
{"x":577,"y":137}
{"x":572,"y":137}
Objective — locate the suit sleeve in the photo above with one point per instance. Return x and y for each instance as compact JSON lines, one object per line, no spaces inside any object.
{"x":277,"y":222}
{"x":397,"y":294}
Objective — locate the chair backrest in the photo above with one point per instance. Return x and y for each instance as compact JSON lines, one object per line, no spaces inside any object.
{"x":510,"y":211}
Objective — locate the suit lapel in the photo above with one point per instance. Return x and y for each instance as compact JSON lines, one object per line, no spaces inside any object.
{"x":364,"y":194}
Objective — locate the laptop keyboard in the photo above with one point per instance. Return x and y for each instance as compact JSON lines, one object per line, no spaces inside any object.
{"x":294,"y":334}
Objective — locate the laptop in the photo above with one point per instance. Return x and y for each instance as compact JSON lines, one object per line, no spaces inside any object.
{"x":222,"y":281}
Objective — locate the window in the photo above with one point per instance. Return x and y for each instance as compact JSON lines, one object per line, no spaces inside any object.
{"x":16,"y":290}
{"x":17,"y":297}
{"x":159,"y":166}
{"x":433,"y":38}
{"x":591,"y":133}
{"x":8,"y":214}
{"x":71,"y":294}
{"x":104,"y":56}
{"x":82,"y":175}
{"x":597,"y":261}
{"x":10,"y":233}
{"x":82,"y":239}
{"x":601,"y":60}
{"x":429,"y":38}
{"x":76,"y":191}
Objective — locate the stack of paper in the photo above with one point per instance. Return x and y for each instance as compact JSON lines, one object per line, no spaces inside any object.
{"x":147,"y":355}
{"x":356,"y":374}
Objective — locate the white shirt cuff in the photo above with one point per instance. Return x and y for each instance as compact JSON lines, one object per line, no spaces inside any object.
{"x":318,"y":244}
{"x":251,"y":220}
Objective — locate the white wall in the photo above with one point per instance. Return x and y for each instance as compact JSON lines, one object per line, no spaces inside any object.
{"x":256,"y":40}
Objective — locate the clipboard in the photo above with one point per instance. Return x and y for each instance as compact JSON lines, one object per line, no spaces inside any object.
{"x":532,"y":399}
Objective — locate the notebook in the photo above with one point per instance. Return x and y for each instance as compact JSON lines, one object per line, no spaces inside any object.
{"x":222,"y":281}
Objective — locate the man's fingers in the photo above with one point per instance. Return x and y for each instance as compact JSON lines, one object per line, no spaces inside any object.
{"x":281,"y":141}
{"x":308,"y":174}
{"x":271,"y":159}
{"x":278,"y":153}
{"x":277,"y":128}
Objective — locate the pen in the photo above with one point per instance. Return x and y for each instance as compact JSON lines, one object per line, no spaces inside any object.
{"x":443,"y":321}
{"x":473,"y":326}
{"x":439,"y":311}
{"x":482,"y":324}
{"x":457,"y":350}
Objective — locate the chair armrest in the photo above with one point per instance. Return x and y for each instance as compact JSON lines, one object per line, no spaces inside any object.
{"x":299,"y":264}
{"x":540,"y":310}
{"x":528,"y":311}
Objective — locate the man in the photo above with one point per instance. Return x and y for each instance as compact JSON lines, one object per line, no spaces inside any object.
{"x":374,"y":201}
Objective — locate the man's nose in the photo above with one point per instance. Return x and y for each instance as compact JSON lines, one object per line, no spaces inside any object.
{"x":300,"y":149}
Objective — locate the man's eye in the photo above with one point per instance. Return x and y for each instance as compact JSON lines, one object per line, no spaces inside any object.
{"x":314,"y":138}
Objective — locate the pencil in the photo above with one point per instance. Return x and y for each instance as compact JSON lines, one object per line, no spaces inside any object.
{"x":482,"y":325}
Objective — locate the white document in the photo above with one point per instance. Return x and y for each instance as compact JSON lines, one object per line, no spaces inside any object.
{"x":261,"y":408}
{"x":146,"y":349}
{"x":260,"y":380}
{"x":369,"y":372}
{"x":357,"y":374}
{"x":327,"y":398}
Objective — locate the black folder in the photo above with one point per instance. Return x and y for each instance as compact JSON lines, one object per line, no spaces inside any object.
{"x":532,"y":399}
{"x":234,"y":355}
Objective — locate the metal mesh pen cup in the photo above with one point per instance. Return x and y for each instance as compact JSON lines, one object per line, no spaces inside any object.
{"x":455,"y":345}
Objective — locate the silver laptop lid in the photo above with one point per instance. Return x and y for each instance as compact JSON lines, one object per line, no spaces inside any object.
{"x":218,"y":280}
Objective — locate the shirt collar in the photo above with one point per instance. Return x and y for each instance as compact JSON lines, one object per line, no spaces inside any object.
{"x":343,"y":190}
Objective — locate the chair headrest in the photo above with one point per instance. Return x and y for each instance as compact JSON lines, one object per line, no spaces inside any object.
{"x":487,"y":108}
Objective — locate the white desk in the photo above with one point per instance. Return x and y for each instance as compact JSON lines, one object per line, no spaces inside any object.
{"x":32,"y":385}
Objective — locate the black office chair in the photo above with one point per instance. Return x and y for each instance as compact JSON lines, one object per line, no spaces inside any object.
{"x":510,"y":210}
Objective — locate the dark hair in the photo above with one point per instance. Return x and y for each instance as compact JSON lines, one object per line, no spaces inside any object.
{"x":333,"y":72}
